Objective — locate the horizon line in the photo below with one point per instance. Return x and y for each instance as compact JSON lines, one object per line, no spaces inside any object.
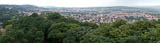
{"x":80,"y":7}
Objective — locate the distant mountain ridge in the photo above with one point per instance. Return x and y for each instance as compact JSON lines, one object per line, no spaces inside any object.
{"x":22,"y":7}
{"x":32,"y":6}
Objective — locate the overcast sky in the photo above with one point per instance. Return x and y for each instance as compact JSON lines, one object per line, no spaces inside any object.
{"x":83,"y":3}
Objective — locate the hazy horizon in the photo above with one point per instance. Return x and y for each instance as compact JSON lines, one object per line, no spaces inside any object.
{"x":82,"y":3}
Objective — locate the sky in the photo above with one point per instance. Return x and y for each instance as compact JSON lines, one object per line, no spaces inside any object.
{"x":82,"y":3}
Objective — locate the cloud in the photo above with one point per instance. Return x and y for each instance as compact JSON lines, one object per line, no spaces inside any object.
{"x":137,"y":2}
{"x":82,"y":3}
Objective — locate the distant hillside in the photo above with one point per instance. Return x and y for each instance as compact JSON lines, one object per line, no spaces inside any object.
{"x":22,"y":7}
{"x":7,"y":13}
{"x":10,"y":11}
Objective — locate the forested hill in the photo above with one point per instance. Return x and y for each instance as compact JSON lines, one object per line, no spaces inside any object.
{"x":21,"y":7}
{"x":7,"y":13}
{"x":11,"y":11}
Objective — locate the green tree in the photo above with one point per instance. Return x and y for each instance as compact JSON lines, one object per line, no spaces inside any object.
{"x":58,"y":31}
{"x":75,"y":35}
{"x":118,"y":23}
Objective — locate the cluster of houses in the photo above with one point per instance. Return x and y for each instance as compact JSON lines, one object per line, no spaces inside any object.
{"x":109,"y":18}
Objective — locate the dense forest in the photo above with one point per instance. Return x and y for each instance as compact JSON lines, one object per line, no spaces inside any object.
{"x":54,"y":28}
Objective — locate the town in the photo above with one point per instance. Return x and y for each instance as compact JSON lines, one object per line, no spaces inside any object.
{"x":94,"y":14}
{"x":109,"y":18}
{"x":103,"y":15}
